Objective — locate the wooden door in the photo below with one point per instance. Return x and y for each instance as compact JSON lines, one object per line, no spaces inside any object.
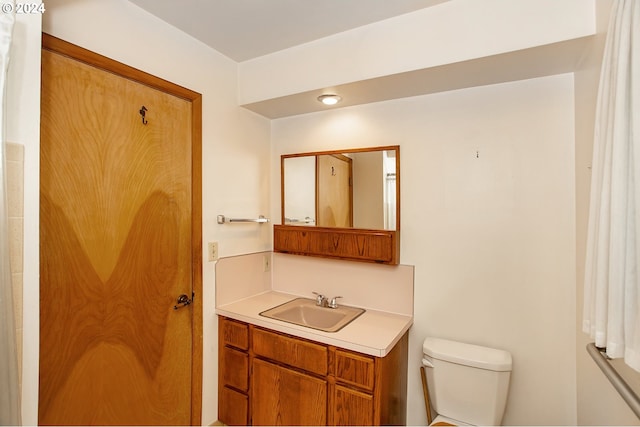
{"x":334,"y":191}
{"x":281,"y":396}
{"x":118,"y":234}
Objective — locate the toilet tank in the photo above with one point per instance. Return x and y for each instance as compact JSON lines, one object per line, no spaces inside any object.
{"x":466,"y":382}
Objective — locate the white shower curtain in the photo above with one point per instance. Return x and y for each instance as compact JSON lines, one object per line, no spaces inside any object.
{"x":9,"y":387}
{"x":612,"y":280}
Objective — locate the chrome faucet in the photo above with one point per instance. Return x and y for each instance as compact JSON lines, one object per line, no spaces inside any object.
{"x":321,"y":300}
{"x":333,"y":303}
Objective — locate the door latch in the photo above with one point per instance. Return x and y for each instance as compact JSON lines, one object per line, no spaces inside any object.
{"x":183,"y":301}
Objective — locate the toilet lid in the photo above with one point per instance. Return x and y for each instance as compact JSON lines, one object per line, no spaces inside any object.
{"x":467,"y":354}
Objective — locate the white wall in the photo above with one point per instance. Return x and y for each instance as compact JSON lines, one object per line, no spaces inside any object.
{"x":236,"y":147}
{"x":487,"y":220}
{"x":23,"y":127}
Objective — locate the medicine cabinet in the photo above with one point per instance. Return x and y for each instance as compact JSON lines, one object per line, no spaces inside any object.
{"x":341,"y":204}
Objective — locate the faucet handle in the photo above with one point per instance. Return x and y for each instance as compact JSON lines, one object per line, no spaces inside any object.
{"x":321,"y":300}
{"x":333,"y":303}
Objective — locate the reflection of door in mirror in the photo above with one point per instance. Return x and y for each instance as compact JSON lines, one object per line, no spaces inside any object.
{"x":334,"y":191}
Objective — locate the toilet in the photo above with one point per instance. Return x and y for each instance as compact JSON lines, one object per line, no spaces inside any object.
{"x":467,"y":384}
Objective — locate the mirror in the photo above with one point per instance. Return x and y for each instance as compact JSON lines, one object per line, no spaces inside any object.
{"x":356,"y":188}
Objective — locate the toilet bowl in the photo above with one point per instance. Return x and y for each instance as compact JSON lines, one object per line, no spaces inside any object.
{"x":467,"y":384}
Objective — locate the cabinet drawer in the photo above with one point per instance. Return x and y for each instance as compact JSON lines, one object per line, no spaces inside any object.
{"x":355,"y":369}
{"x":235,"y":334}
{"x":233,"y":409}
{"x":290,"y":351}
{"x":236,"y":369}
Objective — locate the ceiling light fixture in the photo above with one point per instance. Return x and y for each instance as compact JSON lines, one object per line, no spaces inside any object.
{"x":329,"y":99}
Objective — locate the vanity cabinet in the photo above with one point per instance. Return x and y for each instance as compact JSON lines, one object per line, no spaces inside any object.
{"x":293,"y":381}
{"x":380,"y":246}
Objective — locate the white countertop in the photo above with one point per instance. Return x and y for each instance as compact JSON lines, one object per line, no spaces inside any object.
{"x":373,"y":333}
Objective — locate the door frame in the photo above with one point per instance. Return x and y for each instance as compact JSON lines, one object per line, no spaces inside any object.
{"x":88,"y":57}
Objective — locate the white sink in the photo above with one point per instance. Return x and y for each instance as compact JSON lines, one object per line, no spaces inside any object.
{"x":305,"y":312}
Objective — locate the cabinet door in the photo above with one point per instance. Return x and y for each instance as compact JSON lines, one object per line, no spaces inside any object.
{"x":281,"y":396}
{"x":351,"y":407}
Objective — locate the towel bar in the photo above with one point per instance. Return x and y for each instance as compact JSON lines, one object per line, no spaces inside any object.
{"x":223,"y":220}
{"x":614,"y":377}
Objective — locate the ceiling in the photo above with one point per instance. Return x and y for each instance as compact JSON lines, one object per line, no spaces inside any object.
{"x":246,"y":29}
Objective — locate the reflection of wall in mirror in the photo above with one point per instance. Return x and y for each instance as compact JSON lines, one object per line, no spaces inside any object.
{"x":299,"y":190}
{"x":368,"y":190}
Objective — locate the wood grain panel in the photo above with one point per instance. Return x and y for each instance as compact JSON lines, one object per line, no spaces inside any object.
{"x":352,"y":408}
{"x":354,"y":369}
{"x":354,"y":244}
{"x":236,"y":372}
{"x":116,"y":250}
{"x":391,"y":385}
{"x":273,"y":390}
{"x":233,"y":371}
{"x":358,"y":389}
{"x":291,"y":351}
{"x":235,"y":334}
{"x":235,"y":411}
